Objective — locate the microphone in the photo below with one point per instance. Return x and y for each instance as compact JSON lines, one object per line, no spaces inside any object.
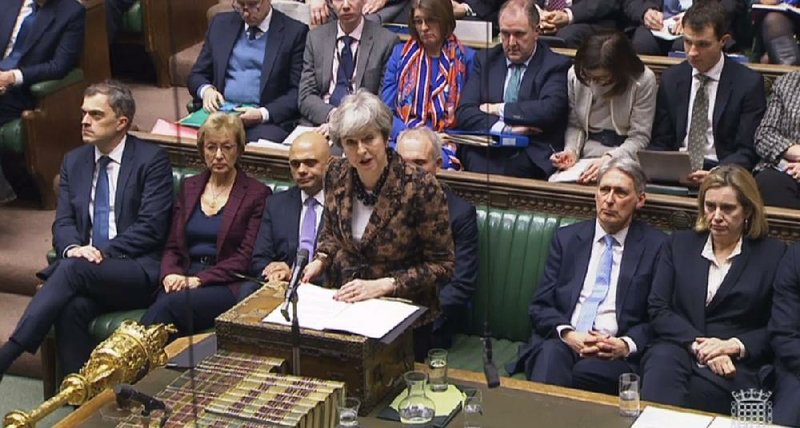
{"x":300,"y":262}
{"x":126,"y":392}
{"x":489,"y":369}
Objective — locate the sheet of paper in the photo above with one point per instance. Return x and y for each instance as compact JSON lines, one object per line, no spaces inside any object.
{"x":318,"y":311}
{"x":163,"y":127}
{"x":571,"y":175}
{"x":665,"y":33}
{"x":654,"y":417}
{"x":723,"y":422}
{"x":268,"y":144}
{"x":296,"y":132}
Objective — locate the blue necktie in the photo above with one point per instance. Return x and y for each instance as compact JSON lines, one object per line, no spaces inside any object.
{"x":253,"y":33}
{"x":102,"y":209}
{"x":12,"y":60}
{"x":344,"y":74}
{"x":308,"y":230}
{"x":602,"y":283}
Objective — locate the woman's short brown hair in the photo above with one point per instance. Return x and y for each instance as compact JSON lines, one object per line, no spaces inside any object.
{"x":219,"y":123}
{"x":440,"y":10}
{"x":755,"y":224}
{"x":611,"y":51}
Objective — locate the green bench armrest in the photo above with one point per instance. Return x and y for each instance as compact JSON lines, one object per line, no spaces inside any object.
{"x":42,"y":89}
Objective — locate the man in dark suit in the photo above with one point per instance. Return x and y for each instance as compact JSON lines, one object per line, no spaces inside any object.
{"x":783,"y":331}
{"x":530,"y":100}
{"x":708,"y":105}
{"x":41,"y":40}
{"x":292,"y":218}
{"x":589,"y":314}
{"x":253,"y":55}
{"x":111,"y":222}
{"x":422,"y":147}
{"x":574,"y":20}
{"x":332,"y":70}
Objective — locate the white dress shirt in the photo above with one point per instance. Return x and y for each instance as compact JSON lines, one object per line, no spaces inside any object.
{"x":361,"y":215}
{"x":320,"y":197}
{"x":606,"y":320}
{"x":113,"y":175}
{"x":356,"y":35}
{"x":711,"y":86}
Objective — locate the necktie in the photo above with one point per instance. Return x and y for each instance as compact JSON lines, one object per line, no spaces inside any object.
{"x":556,"y":5}
{"x":699,"y":125}
{"x":514,"y":80}
{"x":345,"y":72}
{"x":308,"y":231}
{"x":253,"y":32}
{"x":600,"y":290}
{"x":102,"y":208}
{"x":12,"y":60}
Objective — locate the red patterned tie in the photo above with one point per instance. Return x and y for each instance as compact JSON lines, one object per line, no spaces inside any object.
{"x":556,"y":5}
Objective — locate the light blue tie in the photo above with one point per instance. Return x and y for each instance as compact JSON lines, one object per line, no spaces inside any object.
{"x":602,"y":283}
{"x":102,"y":208}
{"x":514,"y":80}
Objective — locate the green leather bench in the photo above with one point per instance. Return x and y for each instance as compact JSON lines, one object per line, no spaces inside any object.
{"x":513,"y":250}
{"x":42,"y":136}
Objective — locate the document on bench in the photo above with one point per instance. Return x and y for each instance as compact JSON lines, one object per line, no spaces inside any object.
{"x":723,"y":422}
{"x":571,"y":174}
{"x":654,"y":417}
{"x":372,"y":318}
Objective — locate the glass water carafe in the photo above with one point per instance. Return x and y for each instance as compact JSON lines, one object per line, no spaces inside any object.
{"x":416,"y":409}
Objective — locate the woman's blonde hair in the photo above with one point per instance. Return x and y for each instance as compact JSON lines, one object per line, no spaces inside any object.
{"x":222,"y":123}
{"x":755,"y":224}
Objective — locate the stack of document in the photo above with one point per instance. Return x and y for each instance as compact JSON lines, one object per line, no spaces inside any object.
{"x":317,"y":310}
{"x":654,"y":417}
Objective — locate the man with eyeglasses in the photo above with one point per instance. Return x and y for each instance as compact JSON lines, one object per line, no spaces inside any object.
{"x":252,"y":56}
{"x":708,"y":105}
{"x":340,"y":57}
{"x":292,"y":218}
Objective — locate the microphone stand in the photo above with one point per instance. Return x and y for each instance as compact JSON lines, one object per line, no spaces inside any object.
{"x":295,"y":334}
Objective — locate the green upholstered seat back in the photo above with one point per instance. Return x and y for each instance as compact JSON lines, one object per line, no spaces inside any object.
{"x":132,"y":20}
{"x":12,"y":139}
{"x":513,"y":251}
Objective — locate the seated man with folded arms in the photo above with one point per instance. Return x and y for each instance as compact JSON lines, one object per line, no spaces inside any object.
{"x":708,"y":105}
{"x":422,"y":147}
{"x":589,"y":314}
{"x":574,"y":20}
{"x":530,"y":99}
{"x":292,"y":218}
{"x":253,"y":55}
{"x":340,"y":57}
{"x":111,"y":223}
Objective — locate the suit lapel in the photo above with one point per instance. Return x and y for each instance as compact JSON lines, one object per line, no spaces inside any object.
{"x":294,"y":210}
{"x":227,"y":40}
{"x":684,"y":89}
{"x":724,"y":88}
{"x":497,"y":84}
{"x":274,"y":41}
{"x":526,"y":86}
{"x":343,"y":195}
{"x":693,"y":293}
{"x":633,"y":248}
{"x":83,"y":186}
{"x":583,"y":251}
{"x":732,"y":278}
{"x":192,"y":191}
{"x":238,"y":192}
{"x":44,"y":19}
{"x":364,"y":49}
{"x":7,"y":21}
{"x":327,"y":56}
{"x":388,"y":204}
{"x":125,"y":169}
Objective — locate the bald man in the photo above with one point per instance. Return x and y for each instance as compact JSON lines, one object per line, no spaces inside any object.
{"x":422,"y":147}
{"x":292,"y":218}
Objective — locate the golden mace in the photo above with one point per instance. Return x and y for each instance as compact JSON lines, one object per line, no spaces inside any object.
{"x":125,"y":357}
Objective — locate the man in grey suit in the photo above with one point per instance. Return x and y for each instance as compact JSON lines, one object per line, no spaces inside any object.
{"x":340,"y":57}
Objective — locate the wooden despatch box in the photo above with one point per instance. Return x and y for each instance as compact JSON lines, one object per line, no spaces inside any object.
{"x":370,"y":369}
